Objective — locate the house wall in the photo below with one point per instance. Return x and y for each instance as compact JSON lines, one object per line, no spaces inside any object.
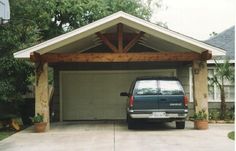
{"x":211,"y":106}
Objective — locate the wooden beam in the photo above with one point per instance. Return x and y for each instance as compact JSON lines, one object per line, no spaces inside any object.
{"x":133,"y":42}
{"x":206,"y":55}
{"x":107,"y":42}
{"x":120,"y":37}
{"x":35,"y":57}
{"x":119,"y":57}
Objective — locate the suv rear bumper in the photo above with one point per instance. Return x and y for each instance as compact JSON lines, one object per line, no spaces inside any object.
{"x":158,"y":114}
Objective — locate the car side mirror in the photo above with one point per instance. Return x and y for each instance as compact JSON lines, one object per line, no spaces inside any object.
{"x":124,"y":94}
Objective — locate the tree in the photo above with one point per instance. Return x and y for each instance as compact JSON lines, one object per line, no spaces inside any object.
{"x":224,"y":71}
{"x":35,"y":21}
{"x":55,"y":17}
{"x":213,"y":34}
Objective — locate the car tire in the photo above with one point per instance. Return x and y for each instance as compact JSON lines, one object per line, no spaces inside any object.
{"x":130,"y":122}
{"x":180,"y":125}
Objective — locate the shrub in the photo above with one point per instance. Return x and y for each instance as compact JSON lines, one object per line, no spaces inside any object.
{"x":230,"y":114}
{"x":231,"y":135}
{"x":214,"y":114}
{"x":201,"y":115}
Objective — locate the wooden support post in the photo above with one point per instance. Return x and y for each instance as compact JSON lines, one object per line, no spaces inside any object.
{"x":200,"y":86}
{"x":120,"y":37}
{"x":41,"y":93}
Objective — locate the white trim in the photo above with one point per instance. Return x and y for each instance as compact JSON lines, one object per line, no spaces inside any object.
{"x":219,"y":61}
{"x":190,"y":85}
{"x":109,"y":21}
{"x":102,"y":72}
{"x":215,"y":89}
{"x":60,"y":95}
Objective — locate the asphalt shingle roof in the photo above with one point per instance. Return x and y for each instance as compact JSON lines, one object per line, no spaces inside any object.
{"x":226,"y":41}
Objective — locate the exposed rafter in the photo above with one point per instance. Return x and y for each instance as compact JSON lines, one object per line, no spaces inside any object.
{"x":120,"y":36}
{"x":133,"y":42}
{"x":107,"y":42}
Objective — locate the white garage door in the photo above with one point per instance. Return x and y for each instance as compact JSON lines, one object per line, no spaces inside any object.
{"x":94,"y":95}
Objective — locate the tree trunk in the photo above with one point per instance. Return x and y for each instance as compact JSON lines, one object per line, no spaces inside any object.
{"x":223,"y":104}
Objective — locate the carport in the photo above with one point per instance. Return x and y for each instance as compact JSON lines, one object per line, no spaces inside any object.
{"x":94,"y":63}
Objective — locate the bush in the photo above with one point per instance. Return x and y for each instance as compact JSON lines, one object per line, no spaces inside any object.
{"x":231,"y":135}
{"x":214,"y":114}
{"x":229,"y":115}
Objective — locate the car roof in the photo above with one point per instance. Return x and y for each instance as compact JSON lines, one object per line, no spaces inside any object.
{"x":156,"y":78}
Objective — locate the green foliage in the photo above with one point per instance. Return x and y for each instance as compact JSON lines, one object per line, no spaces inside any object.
{"x":52,"y":17}
{"x":201,"y":115}
{"x":13,"y":79}
{"x":5,"y":133}
{"x":35,"y":21}
{"x":230,"y":115}
{"x":37,"y":118}
{"x":231,"y":135}
{"x":214,"y":114}
{"x":224,"y":71}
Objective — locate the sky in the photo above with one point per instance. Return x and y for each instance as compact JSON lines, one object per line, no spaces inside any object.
{"x":196,"y":18}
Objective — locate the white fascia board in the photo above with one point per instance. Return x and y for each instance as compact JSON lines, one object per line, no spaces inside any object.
{"x":69,"y":37}
{"x":153,"y":29}
{"x":109,"y":21}
{"x":219,"y":61}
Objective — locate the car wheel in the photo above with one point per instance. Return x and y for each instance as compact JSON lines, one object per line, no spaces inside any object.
{"x":130,"y":122}
{"x":180,"y":125}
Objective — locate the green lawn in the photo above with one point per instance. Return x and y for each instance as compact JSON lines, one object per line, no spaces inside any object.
{"x":5,"y":134}
{"x":231,"y":135}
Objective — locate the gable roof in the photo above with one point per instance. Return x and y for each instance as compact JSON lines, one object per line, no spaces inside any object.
{"x":224,"y":40}
{"x":112,"y":20}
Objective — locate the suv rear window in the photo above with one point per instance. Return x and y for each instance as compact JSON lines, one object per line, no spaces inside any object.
{"x":158,"y":87}
{"x":169,"y":87}
{"x":145,"y":87}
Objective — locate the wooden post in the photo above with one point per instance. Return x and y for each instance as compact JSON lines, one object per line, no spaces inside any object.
{"x":41,"y":92}
{"x":120,"y":37}
{"x":200,"y":86}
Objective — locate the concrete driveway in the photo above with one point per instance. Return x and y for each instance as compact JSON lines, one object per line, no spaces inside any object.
{"x":114,"y":136}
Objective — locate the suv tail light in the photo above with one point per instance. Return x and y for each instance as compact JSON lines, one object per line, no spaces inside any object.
{"x":131,"y":101}
{"x":185,"y":101}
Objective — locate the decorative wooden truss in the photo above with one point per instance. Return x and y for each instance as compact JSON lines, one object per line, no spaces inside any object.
{"x":120,"y":53}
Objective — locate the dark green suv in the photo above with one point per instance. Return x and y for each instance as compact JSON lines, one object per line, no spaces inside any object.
{"x":159,"y":99}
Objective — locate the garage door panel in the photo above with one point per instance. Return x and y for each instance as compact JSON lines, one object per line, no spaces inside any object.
{"x":88,"y":95}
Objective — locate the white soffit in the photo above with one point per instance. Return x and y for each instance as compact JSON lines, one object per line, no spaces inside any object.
{"x":112,"y":20}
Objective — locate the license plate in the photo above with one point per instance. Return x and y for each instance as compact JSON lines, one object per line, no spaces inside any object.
{"x":158,"y":115}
